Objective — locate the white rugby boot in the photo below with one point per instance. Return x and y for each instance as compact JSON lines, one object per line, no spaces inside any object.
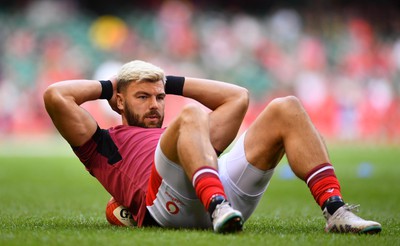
{"x":345,"y":221}
{"x":225,"y":219}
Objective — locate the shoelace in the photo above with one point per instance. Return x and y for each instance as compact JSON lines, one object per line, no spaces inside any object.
{"x":347,"y":208}
{"x":352,"y":207}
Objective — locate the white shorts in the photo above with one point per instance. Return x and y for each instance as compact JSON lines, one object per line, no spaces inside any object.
{"x":176,"y":203}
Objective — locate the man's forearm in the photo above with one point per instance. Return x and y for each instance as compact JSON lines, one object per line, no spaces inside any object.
{"x":79,"y":91}
{"x":211,"y":93}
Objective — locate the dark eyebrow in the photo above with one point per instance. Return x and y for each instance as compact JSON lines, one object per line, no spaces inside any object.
{"x":142,"y":92}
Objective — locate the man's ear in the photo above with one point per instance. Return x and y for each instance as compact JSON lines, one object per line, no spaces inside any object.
{"x":120,"y":102}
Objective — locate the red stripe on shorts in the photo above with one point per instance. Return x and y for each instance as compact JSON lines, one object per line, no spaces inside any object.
{"x":154,"y":185}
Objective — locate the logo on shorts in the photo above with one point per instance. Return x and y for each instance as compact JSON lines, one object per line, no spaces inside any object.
{"x":172,"y":208}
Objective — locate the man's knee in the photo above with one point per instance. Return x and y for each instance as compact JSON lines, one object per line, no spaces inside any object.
{"x":288,"y":106}
{"x":193,"y":114}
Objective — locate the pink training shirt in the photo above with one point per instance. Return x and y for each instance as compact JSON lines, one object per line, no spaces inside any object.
{"x":121,"y":158}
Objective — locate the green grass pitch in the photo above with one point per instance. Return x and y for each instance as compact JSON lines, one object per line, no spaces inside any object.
{"x":52,"y":200}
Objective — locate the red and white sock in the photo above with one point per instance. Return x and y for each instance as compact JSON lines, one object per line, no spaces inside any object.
{"x":207,"y":184}
{"x":323,"y":183}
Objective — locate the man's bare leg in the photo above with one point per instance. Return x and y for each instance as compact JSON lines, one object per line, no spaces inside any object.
{"x":284,"y":127}
{"x":187,"y":142}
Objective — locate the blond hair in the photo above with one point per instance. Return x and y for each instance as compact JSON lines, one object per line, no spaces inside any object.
{"x":138,"y":71}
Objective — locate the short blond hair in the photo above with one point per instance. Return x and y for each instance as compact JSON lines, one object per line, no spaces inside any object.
{"x":138,"y":71}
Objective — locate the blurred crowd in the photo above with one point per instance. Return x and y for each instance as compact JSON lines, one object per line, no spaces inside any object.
{"x":344,"y":68}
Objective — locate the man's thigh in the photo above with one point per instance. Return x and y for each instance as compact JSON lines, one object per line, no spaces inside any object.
{"x":244,"y":184}
{"x":175,"y":203}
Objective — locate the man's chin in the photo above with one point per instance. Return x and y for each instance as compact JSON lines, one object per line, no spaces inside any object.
{"x":146,"y":125}
{"x":153,"y":125}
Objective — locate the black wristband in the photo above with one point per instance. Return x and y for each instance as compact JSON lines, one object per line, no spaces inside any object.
{"x":174,"y":85}
{"x":106,"y":89}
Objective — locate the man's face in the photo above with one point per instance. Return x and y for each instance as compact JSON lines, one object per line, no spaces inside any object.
{"x":143,"y":104}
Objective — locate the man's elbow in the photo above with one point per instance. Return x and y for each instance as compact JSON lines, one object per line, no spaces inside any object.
{"x":244,"y":98}
{"x":51,"y":97}
{"x":239,"y":100}
{"x":48,"y":94}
